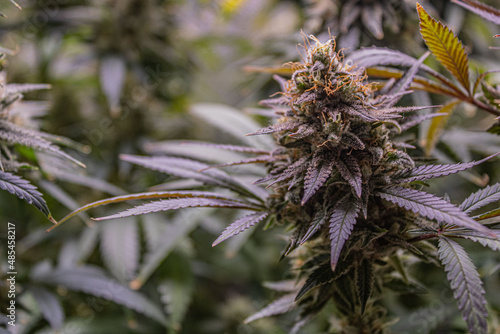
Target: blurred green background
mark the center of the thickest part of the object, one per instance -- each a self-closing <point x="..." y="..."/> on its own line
<point x="125" y="73"/>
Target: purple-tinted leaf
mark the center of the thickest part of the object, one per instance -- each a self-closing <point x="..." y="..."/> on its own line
<point x="291" y="125"/>
<point x="364" y="282"/>
<point x="24" y="190"/>
<point x="417" y="120"/>
<point x="431" y="207"/>
<point x="375" y="56"/>
<point x="240" y="225"/>
<point x="178" y="203"/>
<point x="49" y="305"/>
<point x="480" y="8"/>
<point x="186" y="168"/>
<point x="481" y="198"/>
<point x="317" y="174"/>
<point x="350" y="13"/>
<point x="120" y="247"/>
<point x="465" y="283"/>
<point x="255" y="160"/>
<point x="148" y="195"/>
<point x="371" y="16"/>
<point x="493" y="243"/>
<point x="234" y="148"/>
<point x="317" y="221"/>
<point x="342" y="222"/>
<point x="350" y="171"/>
<point x="93" y="281"/>
<point x="279" y="306"/>
<point x="426" y="172"/>
<point x="292" y="170"/>
<point x="16" y="134"/>
<point x="405" y="82"/>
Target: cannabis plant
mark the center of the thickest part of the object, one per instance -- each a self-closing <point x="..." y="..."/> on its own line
<point x="347" y="187"/>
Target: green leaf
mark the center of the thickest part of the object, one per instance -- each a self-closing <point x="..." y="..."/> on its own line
<point x="437" y="125"/>
<point x="364" y="282"/>
<point x="178" y="203"/>
<point x="24" y="190"/>
<point x="445" y="46"/>
<point x="465" y="283"/>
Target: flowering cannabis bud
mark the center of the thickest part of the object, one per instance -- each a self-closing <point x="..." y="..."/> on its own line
<point x="345" y="184"/>
<point x="336" y="163"/>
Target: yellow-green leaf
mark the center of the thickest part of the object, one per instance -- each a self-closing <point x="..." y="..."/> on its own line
<point x="445" y="46"/>
<point x="437" y="125"/>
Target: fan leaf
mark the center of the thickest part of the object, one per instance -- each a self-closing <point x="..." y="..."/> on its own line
<point x="466" y="284"/>
<point x="178" y="203"/>
<point x="364" y="282"/>
<point x="487" y="12"/>
<point x="341" y="225"/>
<point x="445" y="46"/>
<point x="316" y="223"/>
<point x="279" y="306"/>
<point x="351" y="172"/>
<point x="317" y="173"/>
<point x="24" y="190"/>
<point x="426" y="172"/>
<point x="481" y="198"/>
<point x="240" y="225"/>
<point x="431" y="207"/>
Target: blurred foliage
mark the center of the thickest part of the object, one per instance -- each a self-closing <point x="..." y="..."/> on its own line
<point x="124" y="74"/>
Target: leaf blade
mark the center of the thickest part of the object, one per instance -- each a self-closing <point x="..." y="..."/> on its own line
<point x="342" y="222"/>
<point x="466" y="284"/>
<point x="24" y="190"/>
<point x="431" y="207"/>
<point x="445" y="46"/>
<point x="240" y="225"/>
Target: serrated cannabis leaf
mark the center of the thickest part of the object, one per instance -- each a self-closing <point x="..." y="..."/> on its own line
<point x="364" y="282"/>
<point x="445" y="46"/>
<point x="481" y="198"/>
<point x="465" y="283"/>
<point x="24" y="190"/>
<point x="320" y="276"/>
<point x="480" y="8"/>
<point x="342" y="222"/>
<point x="431" y="207"/>
<point x="279" y="306"/>
<point x="240" y="225"/>
<point x="438" y="124"/>
<point x="426" y="172"/>
<point x="317" y="173"/>
<point x="317" y="221"/>
<point x="179" y="203"/>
